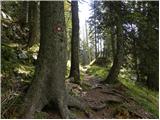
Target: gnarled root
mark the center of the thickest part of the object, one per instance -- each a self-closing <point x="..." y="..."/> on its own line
<point x="79" y="104"/>
<point x="64" y="111"/>
<point x="76" y="102"/>
<point x="35" y="104"/>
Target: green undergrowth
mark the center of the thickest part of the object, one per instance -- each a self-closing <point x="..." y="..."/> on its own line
<point x="144" y="97"/>
<point x="14" y="69"/>
<point x="16" y="75"/>
<point x="97" y="71"/>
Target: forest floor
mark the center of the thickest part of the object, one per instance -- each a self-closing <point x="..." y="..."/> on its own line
<point x="111" y="101"/>
<point x="122" y="100"/>
<point x="105" y="101"/>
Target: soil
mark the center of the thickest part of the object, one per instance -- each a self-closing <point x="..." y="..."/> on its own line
<point x="104" y="101"/>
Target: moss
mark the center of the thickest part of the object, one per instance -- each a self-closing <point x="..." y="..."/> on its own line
<point x="81" y="76"/>
<point x="97" y="71"/>
<point x="146" y="98"/>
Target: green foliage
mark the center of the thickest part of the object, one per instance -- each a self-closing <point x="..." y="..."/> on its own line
<point x="144" y="40"/>
<point x="13" y="8"/>
<point x="11" y="64"/>
<point x="16" y="76"/>
<point x="97" y="71"/>
<point x="146" y="98"/>
<point x="140" y="25"/>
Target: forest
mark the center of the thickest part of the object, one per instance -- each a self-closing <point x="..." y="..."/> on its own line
<point x="80" y="59"/>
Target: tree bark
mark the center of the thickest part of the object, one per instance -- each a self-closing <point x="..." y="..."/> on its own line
<point x="34" y="33"/>
<point x="104" y="48"/>
<point x="22" y="15"/>
<point x="74" y="72"/>
<point x="118" y="59"/>
<point x="95" y="31"/>
<point x="113" y="42"/>
<point x="49" y="81"/>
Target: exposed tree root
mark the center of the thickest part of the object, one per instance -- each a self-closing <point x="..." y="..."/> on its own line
<point x="99" y="107"/>
<point x="33" y="102"/>
<point x="116" y="94"/>
<point x="76" y="102"/>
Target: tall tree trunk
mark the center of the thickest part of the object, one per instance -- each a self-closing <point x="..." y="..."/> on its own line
<point x="113" y="42"/>
<point x="95" y="44"/>
<point x="34" y="27"/>
<point x="88" y="49"/>
<point x="104" y="49"/>
<point x="118" y="59"/>
<point x="101" y="47"/>
<point x="49" y="81"/>
<point x="97" y="47"/>
<point x="24" y="11"/>
<point x="74" y="72"/>
<point x="27" y="12"/>
<point x="23" y="14"/>
<point x="95" y="31"/>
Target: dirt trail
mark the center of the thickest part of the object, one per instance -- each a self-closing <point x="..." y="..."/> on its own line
<point x="110" y="101"/>
<point x="105" y="101"/>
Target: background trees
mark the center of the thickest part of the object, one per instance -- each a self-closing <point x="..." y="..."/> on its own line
<point x="139" y="50"/>
<point x="118" y="57"/>
<point x="118" y="44"/>
<point x="147" y="52"/>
